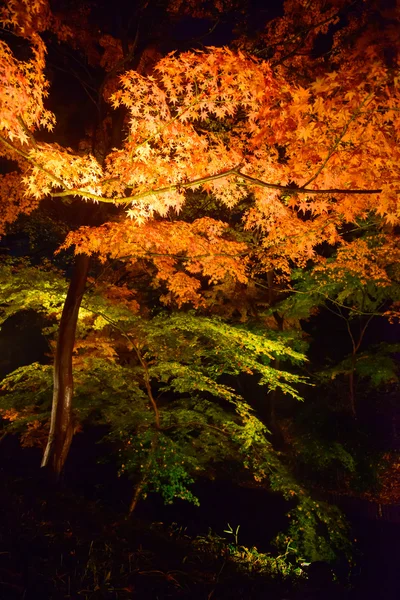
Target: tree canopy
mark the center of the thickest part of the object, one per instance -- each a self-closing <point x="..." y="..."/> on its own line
<point x="213" y="198"/>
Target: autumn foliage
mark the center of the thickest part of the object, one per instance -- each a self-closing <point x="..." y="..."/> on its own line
<point x="313" y="154"/>
<point x="234" y="168"/>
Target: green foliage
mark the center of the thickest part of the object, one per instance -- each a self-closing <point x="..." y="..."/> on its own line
<point x="212" y="348"/>
<point x="45" y="232"/>
<point x="24" y="287"/>
<point x="126" y="363"/>
<point x="249" y="560"/>
<point x="323" y="454"/>
<point x="107" y="392"/>
<point x="25" y="395"/>
<point x="317" y="531"/>
<point x="331" y="450"/>
<point x="186" y="355"/>
<point x="357" y="282"/>
<point x="377" y="365"/>
<point x="25" y="402"/>
<point x="27" y="385"/>
<point x="358" y="277"/>
<point x="161" y="463"/>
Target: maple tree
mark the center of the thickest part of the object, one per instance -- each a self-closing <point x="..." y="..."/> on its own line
<point x="358" y="283"/>
<point x="184" y="421"/>
<point x="301" y="147"/>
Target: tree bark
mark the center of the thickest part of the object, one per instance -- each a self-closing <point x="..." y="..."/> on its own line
<point x="154" y="442"/>
<point x="61" y="422"/>
<point x="143" y="480"/>
<point x="274" y="396"/>
<point x="355" y="348"/>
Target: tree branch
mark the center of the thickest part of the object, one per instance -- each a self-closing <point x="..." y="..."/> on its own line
<point x="33" y="162"/>
<point x="338" y="139"/>
<point x="233" y="172"/>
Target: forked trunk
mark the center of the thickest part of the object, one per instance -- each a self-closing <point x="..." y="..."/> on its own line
<point x="61" y="422"/>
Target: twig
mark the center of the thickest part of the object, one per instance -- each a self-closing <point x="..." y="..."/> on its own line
<point x="338" y="139"/>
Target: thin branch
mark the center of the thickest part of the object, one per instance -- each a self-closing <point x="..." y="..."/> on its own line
<point x="195" y="182"/>
<point x="85" y="86"/>
<point x="234" y="172"/>
<point x="209" y="32"/>
<point x="362" y="332"/>
<point x="338" y="139"/>
<point x="147" y="383"/>
<point x="63" y="51"/>
<point x="33" y="162"/>
<point x="156" y="191"/>
<point x="292" y="39"/>
<point x="140" y="358"/>
<point x="303" y="190"/>
<point x="27" y="130"/>
<point x="183" y="258"/>
<point x="198" y="426"/>
<point x="291" y="290"/>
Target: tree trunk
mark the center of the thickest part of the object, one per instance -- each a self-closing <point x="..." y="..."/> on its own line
<point x="352" y="395"/>
<point x="144" y="479"/>
<point x="154" y="442"/>
<point x="61" y="422"/>
<point x="275" y="396"/>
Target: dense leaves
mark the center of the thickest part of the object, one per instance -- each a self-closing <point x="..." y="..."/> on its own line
<point x="258" y="182"/>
